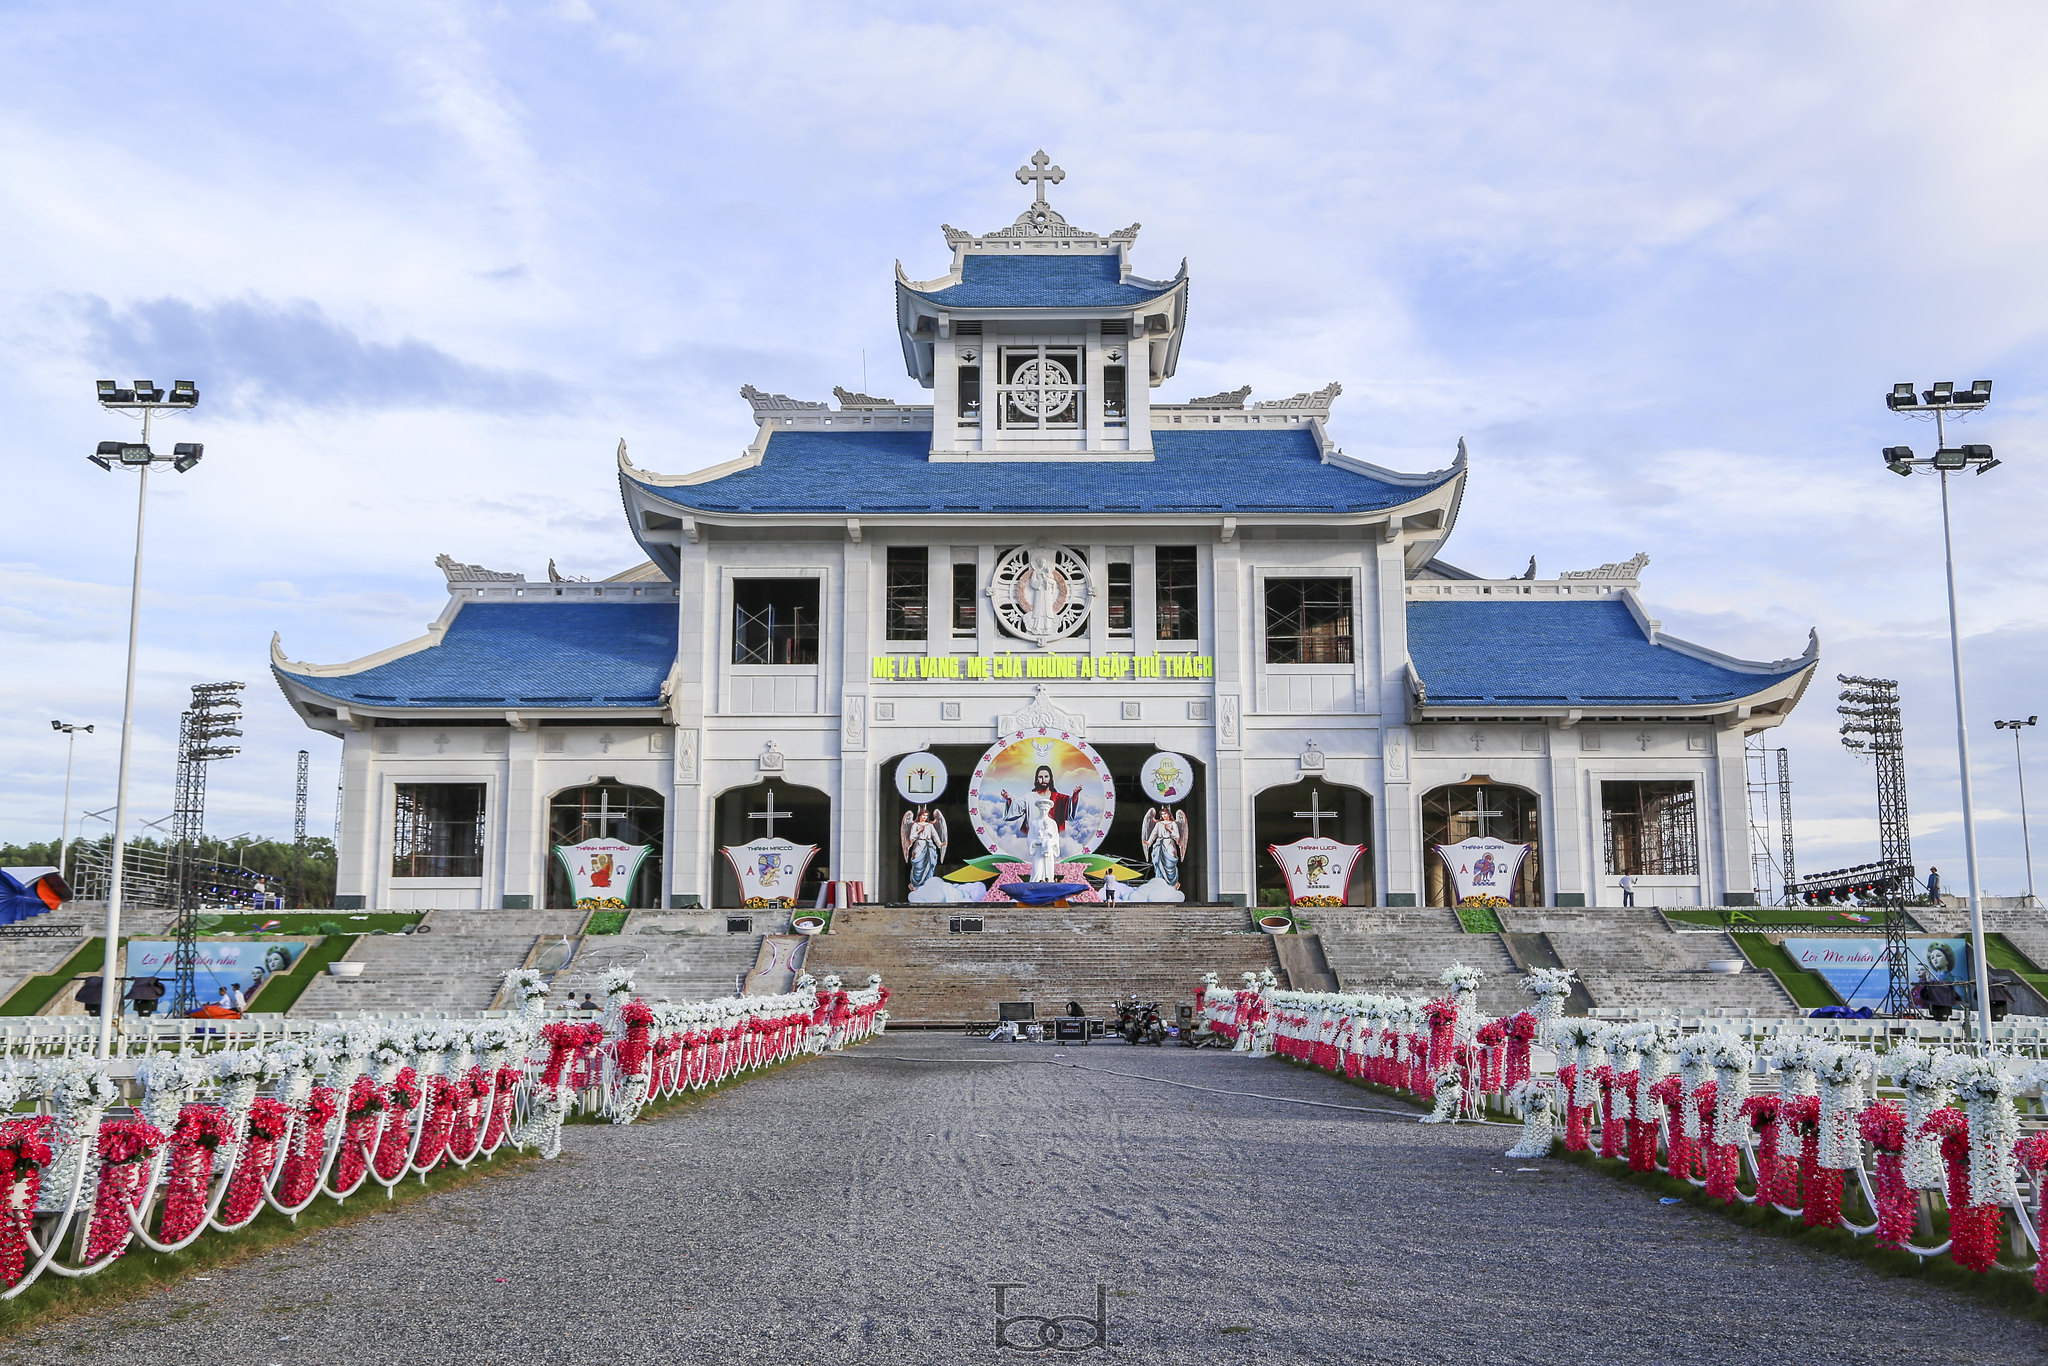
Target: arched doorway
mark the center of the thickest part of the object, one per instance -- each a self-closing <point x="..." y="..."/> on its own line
<point x="1122" y="841"/>
<point x="1276" y="820"/>
<point x="734" y="821"/>
<point x="1480" y="806"/>
<point x="607" y="810"/>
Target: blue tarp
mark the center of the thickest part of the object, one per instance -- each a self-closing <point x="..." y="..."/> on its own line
<point x="30" y="891"/>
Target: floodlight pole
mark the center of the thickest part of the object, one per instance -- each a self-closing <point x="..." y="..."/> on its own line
<point x="110" y="998"/>
<point x="64" y="830"/>
<point x="1979" y="963"/>
<point x="2019" y="764"/>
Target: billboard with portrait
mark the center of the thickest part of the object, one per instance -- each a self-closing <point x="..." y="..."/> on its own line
<point x="1855" y="967"/>
<point x="222" y="963"/>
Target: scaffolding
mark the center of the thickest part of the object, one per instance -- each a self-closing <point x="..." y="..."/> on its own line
<point x="214" y="716"/>
<point x="1771" y="868"/>
<point x="1872" y="726"/>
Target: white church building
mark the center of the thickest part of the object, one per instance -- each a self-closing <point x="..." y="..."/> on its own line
<point x="1037" y="545"/>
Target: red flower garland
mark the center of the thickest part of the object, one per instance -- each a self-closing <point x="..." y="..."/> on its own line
<point x="1640" y="1137"/>
<point x="1679" y="1144"/>
<point x="1442" y="1015"/>
<point x="445" y="1097"/>
<point x="1972" y="1229"/>
<point x="1820" y="1188"/>
<point x="1720" y="1161"/>
<point x="472" y="1088"/>
<point x="1612" y="1137"/>
<point x="1577" y="1118"/>
<point x="365" y="1115"/>
<point x="394" y="1144"/>
<point x="1777" y="1175"/>
<point x="1492" y="1036"/>
<point x="25" y="1152"/>
<point x="501" y="1110"/>
<point x="268" y="1121"/>
<point x="634" y="1049"/>
<point x="197" y="1136"/>
<point x="1883" y="1127"/>
<point x="309" y="1149"/>
<point x="1521" y="1029"/>
<point x="125" y="1147"/>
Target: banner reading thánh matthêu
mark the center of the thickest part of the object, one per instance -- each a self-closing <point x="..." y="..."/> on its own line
<point x="1856" y="969"/>
<point x="1483" y="866"/>
<point x="1317" y="870"/>
<point x="601" y="872"/>
<point x="769" y="870"/>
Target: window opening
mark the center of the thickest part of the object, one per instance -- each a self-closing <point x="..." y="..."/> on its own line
<point x="909" y="592"/>
<point x="438" y="830"/>
<point x="965" y="597"/>
<point x="1040" y="388"/>
<point x="1652" y="829"/>
<point x="775" y="621"/>
<point x="1119" y="604"/>
<point x="970" y="395"/>
<point x="1115" y="400"/>
<point x="1308" y="621"/>
<point x="1177" y="609"/>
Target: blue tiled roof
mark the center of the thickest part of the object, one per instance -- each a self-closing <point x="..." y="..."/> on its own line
<point x="1036" y="280"/>
<point x="1560" y="654"/>
<point x="519" y="655"/>
<point x="881" y="472"/>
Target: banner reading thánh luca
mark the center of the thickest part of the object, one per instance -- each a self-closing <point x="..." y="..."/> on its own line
<point x="232" y="963"/>
<point x="769" y="870"/>
<point x="1856" y="970"/>
<point x="1317" y="870"/>
<point x="601" y="872"/>
<point x="1483" y="866"/>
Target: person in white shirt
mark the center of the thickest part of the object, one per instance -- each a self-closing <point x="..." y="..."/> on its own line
<point x="1628" y="890"/>
<point x="240" y="1003"/>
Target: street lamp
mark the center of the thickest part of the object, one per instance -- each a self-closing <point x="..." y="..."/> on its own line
<point x="1942" y="400"/>
<point x="144" y="398"/>
<point x="70" y="733"/>
<point x="2026" y="840"/>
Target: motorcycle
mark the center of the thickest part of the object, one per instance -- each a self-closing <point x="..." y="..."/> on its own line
<point x="1139" y="1022"/>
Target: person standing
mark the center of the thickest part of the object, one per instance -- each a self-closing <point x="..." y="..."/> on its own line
<point x="1933" y="885"/>
<point x="1628" y="890"/>
<point x="239" y="1003"/>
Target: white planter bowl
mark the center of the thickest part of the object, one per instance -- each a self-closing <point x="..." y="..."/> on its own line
<point x="1275" y="924"/>
<point x="343" y="968"/>
<point x="808" y="924"/>
<point x="1728" y="966"/>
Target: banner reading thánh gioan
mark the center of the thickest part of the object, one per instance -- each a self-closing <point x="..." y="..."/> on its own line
<point x="1483" y="866"/>
<point x="1856" y="970"/>
<point x="769" y="870"/>
<point x="240" y="963"/>
<point x="1317" y="869"/>
<point x="601" y="872"/>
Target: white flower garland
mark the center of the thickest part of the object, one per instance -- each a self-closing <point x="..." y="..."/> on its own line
<point x="1842" y="1074"/>
<point x="1450" y="1096"/>
<point x="1923" y="1075"/>
<point x="1536" y="1101"/>
<point x="1731" y="1059"/>
<point x="1551" y="987"/>
<point x="1986" y="1090"/>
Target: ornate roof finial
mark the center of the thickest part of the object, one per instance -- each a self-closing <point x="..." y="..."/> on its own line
<point x="1043" y="172"/>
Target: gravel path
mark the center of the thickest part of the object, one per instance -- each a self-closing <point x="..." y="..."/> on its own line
<point x="858" y="1208"/>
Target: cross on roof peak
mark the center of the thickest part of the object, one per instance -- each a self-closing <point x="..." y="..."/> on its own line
<point x="1042" y="171"/>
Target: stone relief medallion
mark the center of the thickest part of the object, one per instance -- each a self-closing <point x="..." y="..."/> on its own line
<point x="1040" y="593"/>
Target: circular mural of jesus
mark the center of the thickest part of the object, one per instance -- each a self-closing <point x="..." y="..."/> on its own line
<point x="1000" y="792"/>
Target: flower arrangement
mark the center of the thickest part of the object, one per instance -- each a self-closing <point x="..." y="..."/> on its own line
<point x="269" y="1120"/>
<point x="1535" y="1099"/>
<point x="1777" y="1174"/>
<point x="25" y="1153"/>
<point x="196" y="1139"/>
<point x="1484" y="901"/>
<point x="125" y="1147"/>
<point x="1972" y="1227"/>
<point x="1883" y="1127"/>
<point x="1450" y="1095"/>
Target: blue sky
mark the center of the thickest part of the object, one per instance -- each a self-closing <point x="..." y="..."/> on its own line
<point x="429" y="262"/>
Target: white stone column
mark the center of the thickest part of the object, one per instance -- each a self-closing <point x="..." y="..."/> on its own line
<point x="700" y="635"/>
<point x="524" y="819"/>
<point x="1224" y="633"/>
<point x="853" y="801"/>
<point x="1400" y="814"/>
<point x="356" y="859"/>
<point x="1569" y="838"/>
<point x="1724" y="863"/>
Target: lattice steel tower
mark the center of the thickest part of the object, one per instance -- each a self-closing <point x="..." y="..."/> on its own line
<point x="215" y="715"/>
<point x="1874" y="727"/>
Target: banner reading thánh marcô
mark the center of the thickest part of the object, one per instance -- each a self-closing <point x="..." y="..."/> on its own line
<point x="1483" y="866"/>
<point x="770" y="871"/>
<point x="601" y="872"/>
<point x="1856" y="970"/>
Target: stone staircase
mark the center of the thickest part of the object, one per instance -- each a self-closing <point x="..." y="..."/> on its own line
<point x="1089" y="953"/>
<point x="452" y="973"/>
<point x="1399" y="951"/>
<point x="1632" y="958"/>
<point x="679" y="968"/>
